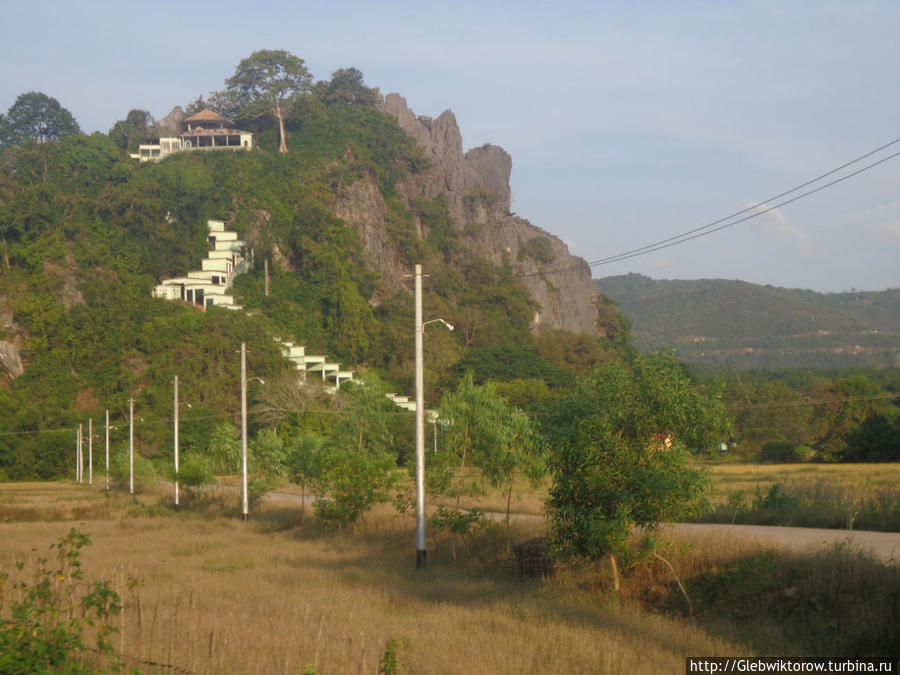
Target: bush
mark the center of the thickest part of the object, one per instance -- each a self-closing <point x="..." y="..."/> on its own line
<point x="43" y="631"/>
<point x="145" y="473"/>
<point x="778" y="452"/>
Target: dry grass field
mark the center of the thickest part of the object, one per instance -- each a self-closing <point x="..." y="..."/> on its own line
<point x="208" y="593"/>
<point x="223" y="596"/>
<point x="839" y="496"/>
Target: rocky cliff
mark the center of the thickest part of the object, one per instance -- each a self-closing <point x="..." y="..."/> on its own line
<point x="476" y="186"/>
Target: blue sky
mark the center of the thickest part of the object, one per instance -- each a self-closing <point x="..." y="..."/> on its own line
<point x="627" y="122"/>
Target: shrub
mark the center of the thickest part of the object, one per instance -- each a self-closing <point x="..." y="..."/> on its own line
<point x="44" y="630"/>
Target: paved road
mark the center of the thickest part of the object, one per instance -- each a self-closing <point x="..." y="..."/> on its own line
<point x="884" y="545"/>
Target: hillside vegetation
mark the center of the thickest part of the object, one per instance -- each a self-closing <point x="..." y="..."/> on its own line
<point x="86" y="232"/>
<point x="735" y="324"/>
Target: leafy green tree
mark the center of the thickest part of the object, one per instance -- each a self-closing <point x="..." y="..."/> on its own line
<point x="304" y="460"/>
<point x="483" y="432"/>
<point x="619" y="457"/>
<point x="843" y="406"/>
<point x="359" y="462"/>
<point x="769" y="411"/>
<point x="264" y="84"/>
<point x="127" y="134"/>
<point x="38" y="116"/>
<point x="877" y="439"/>
<point x="347" y="87"/>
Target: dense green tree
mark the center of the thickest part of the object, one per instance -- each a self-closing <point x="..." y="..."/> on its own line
<point x="876" y="439"/>
<point x="127" y="134"/>
<point x="38" y="116"/>
<point x="264" y="84"/>
<point x="619" y="459"/>
<point x="346" y="86"/>
<point x="358" y="462"/>
<point x="842" y="407"/>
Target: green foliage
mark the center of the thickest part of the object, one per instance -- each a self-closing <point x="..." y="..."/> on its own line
<point x="778" y="451"/>
<point x="144" y="472"/>
<point x="264" y="84"/>
<point x="611" y="465"/>
<point x="734" y="324"/>
<point x="43" y="629"/>
<point x="390" y="661"/>
<point x="346" y="87"/>
<point x="358" y="463"/>
<point x="838" y="601"/>
<point x="127" y="134"/>
<point x="195" y="472"/>
<point x="876" y="439"/>
<point x="538" y="249"/>
<point x="35" y="115"/>
<point x="481" y="431"/>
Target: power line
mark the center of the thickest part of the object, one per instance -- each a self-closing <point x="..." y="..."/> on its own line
<point x="752" y="211"/>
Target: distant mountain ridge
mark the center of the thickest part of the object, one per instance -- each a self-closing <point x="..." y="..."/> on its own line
<point x="740" y="325"/>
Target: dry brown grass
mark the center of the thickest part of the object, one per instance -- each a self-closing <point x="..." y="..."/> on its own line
<point x="841" y="496"/>
<point x="222" y="596"/>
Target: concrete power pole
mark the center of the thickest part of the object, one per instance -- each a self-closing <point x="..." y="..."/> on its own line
<point x="245" y="505"/>
<point x="421" y="547"/>
<point x="131" y="446"/>
<point x="107" y="450"/>
<point x="176" y="441"/>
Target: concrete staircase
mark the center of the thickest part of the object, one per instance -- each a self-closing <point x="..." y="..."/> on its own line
<point x="229" y="256"/>
<point x="318" y="365"/>
<point x="206" y="287"/>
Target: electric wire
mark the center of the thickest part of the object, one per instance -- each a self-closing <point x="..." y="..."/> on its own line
<point x="722" y="223"/>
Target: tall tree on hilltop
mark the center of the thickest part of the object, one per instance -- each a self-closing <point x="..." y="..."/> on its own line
<point x="264" y="84"/>
<point x="38" y="116"/>
<point x="346" y="86"/>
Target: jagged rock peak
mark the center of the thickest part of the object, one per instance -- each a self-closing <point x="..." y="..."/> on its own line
<point x="487" y="167"/>
<point x="476" y="186"/>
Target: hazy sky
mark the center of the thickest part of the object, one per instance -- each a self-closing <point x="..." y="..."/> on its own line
<point x="627" y="122"/>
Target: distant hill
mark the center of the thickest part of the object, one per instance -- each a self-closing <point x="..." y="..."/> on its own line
<point x="739" y="325"/>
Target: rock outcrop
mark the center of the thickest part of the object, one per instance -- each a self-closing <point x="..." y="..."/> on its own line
<point x="476" y="186"/>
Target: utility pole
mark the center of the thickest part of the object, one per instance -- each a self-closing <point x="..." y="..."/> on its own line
<point x="107" y="450"/>
<point x="90" y="450"/>
<point x="176" y="441"/>
<point x="245" y="505"/>
<point x="79" y="462"/>
<point x="421" y="550"/>
<point x="131" y="446"/>
<point x="266" y="265"/>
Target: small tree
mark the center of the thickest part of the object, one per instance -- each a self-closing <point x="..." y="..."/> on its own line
<point x="618" y="456"/>
<point x="482" y="432"/>
<point x="304" y="460"/>
<point x="264" y="83"/>
<point x="358" y="460"/>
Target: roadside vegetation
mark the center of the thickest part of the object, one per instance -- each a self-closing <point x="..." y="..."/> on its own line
<point x="838" y="496"/>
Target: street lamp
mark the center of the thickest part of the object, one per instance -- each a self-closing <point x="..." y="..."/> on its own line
<point x="245" y="500"/>
<point x="421" y="548"/>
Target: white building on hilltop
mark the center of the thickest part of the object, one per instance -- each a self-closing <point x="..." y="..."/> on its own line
<point x="206" y="130"/>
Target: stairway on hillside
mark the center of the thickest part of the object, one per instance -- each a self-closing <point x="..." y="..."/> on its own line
<point x="206" y="287"/>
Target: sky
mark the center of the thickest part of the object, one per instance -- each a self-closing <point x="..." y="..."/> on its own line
<point x="627" y="122"/>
